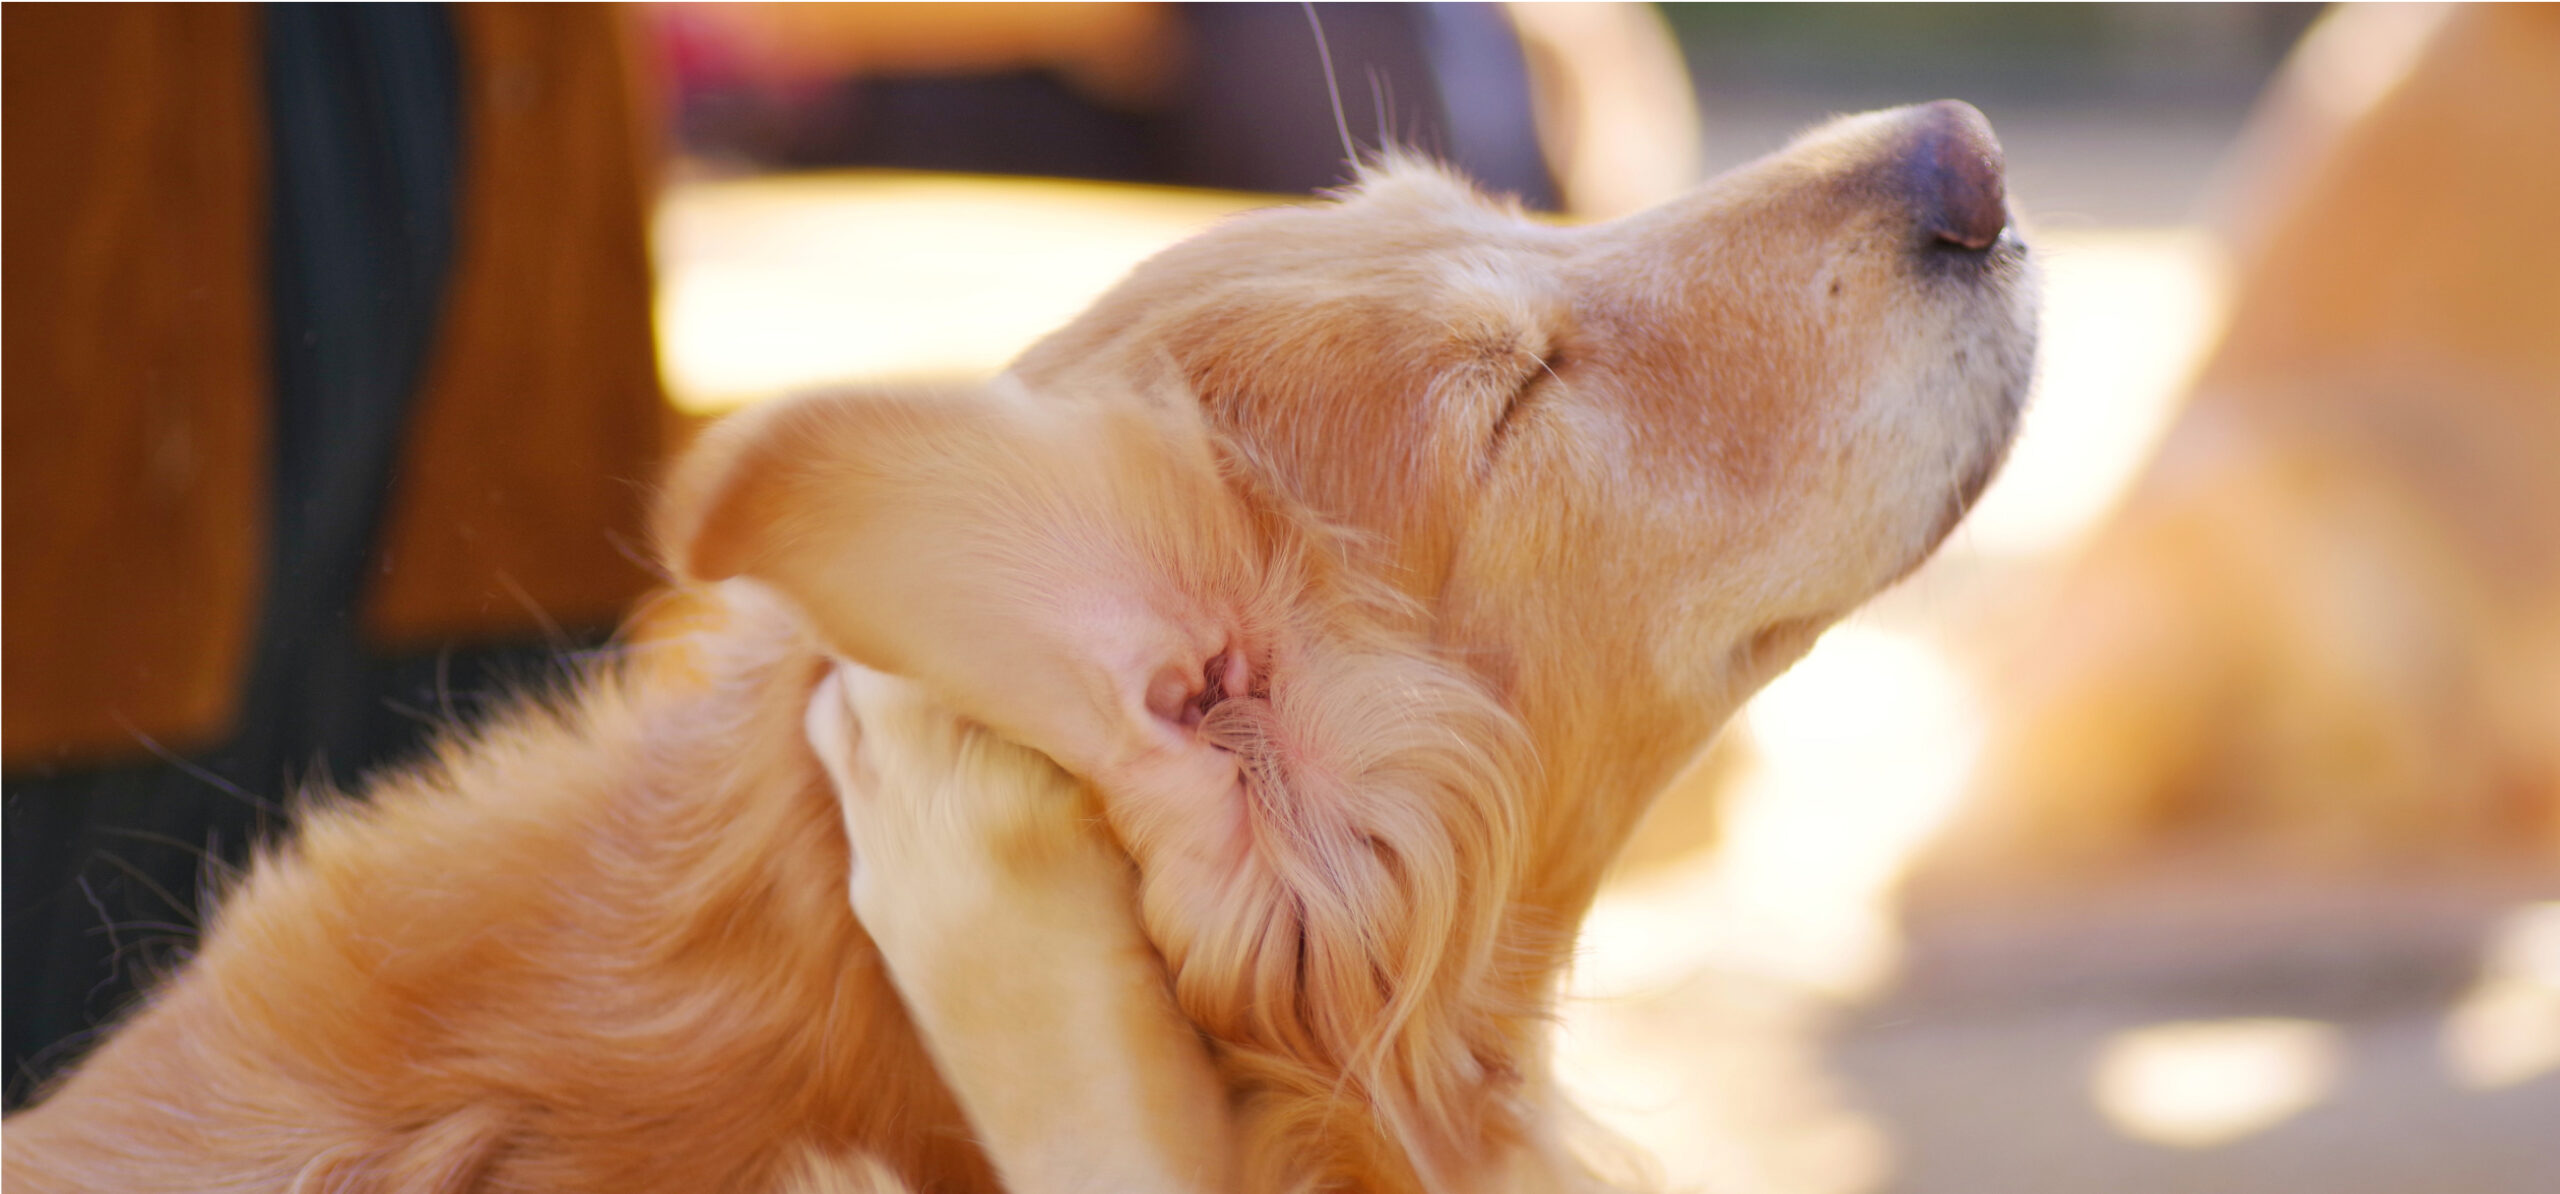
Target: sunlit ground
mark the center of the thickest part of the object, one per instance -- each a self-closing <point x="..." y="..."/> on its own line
<point x="1702" y="1018"/>
<point x="2506" y="1030"/>
<point x="2195" y="1084"/>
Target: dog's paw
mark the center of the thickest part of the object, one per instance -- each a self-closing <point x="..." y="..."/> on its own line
<point x="945" y="817"/>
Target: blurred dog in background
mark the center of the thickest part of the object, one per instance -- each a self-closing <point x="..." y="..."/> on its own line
<point x="2324" y="632"/>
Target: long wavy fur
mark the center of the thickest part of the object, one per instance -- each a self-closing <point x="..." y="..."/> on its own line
<point x="1348" y="970"/>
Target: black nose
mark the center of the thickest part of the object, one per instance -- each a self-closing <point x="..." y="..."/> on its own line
<point x="1952" y="170"/>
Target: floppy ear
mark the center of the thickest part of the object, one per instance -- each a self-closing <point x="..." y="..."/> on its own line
<point x="1068" y="570"/>
<point x="1064" y="570"/>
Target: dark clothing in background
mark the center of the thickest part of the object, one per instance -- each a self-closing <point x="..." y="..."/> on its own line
<point x="318" y="280"/>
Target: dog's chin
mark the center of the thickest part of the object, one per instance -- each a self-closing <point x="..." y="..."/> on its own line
<point x="1972" y="480"/>
<point x="1776" y="647"/>
<point x="1985" y="376"/>
<point x="1968" y="491"/>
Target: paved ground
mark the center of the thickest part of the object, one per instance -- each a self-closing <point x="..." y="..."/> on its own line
<point x="1980" y="1069"/>
<point x="1994" y="1064"/>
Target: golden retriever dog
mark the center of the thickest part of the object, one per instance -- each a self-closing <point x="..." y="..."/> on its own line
<point x="1282" y="650"/>
<point x="2323" y="634"/>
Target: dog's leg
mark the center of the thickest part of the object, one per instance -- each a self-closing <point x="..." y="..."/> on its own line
<point x="1010" y="927"/>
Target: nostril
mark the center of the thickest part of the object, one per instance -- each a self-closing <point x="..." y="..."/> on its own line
<point x="1954" y="170"/>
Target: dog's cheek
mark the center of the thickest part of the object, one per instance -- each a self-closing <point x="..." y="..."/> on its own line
<point x="1180" y="809"/>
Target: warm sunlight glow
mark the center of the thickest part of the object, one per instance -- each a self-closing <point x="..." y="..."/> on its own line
<point x="2128" y="316"/>
<point x="1701" y="992"/>
<point x="1719" y="1084"/>
<point x="2196" y="1084"/>
<point x="2506" y="1029"/>
<point x="1862" y="750"/>
<point x="770" y="285"/>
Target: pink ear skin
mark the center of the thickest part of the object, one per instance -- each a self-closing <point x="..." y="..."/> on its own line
<point x="1070" y="571"/>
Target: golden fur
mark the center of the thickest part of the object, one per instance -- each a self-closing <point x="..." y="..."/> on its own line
<point x="1374" y="562"/>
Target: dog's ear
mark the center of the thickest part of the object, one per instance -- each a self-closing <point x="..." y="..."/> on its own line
<point x="1065" y="570"/>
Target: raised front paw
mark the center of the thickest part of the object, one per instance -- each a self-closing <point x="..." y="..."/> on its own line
<point x="1009" y="923"/>
<point x="949" y="822"/>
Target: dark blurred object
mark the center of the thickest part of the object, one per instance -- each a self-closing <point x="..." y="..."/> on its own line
<point x="331" y="400"/>
<point x="1213" y="95"/>
<point x="2324" y="633"/>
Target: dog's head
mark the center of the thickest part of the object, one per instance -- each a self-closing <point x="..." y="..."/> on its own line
<point x="1379" y="559"/>
<point x="1629" y="470"/>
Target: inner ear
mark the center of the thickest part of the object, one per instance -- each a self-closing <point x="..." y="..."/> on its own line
<point x="1184" y="700"/>
<point x="1071" y="570"/>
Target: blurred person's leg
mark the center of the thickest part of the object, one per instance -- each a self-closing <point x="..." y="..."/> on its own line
<point x="105" y="875"/>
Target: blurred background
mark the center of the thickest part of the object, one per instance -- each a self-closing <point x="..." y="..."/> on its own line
<point x="2191" y="823"/>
